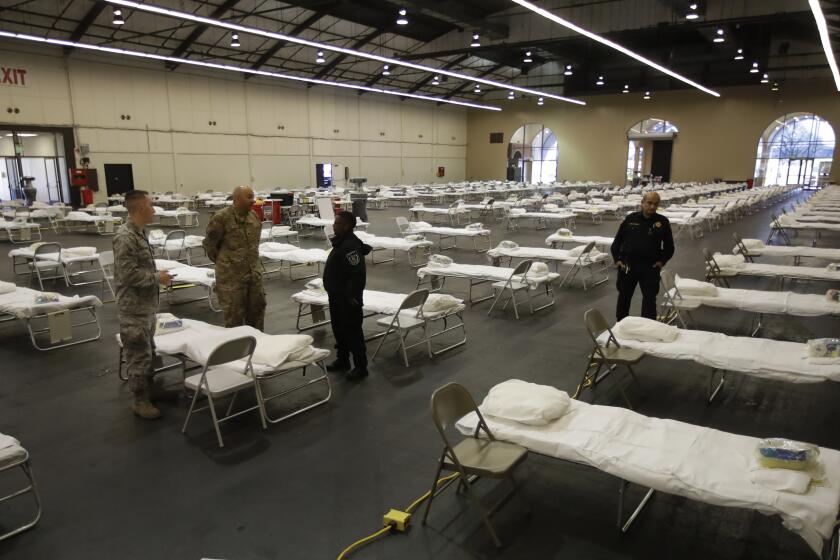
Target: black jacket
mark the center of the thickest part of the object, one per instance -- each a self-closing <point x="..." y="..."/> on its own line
<point x="643" y="239"/>
<point x="344" y="272"/>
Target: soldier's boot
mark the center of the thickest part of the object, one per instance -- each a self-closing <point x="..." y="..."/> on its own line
<point x="144" y="408"/>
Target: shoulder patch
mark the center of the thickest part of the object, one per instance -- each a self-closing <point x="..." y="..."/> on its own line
<point x="353" y="258"/>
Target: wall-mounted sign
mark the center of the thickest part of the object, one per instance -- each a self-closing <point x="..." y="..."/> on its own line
<point x="15" y="77"/>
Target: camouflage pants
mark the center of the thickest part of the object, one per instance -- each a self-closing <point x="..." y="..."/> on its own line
<point x="243" y="302"/>
<point x="137" y="335"/>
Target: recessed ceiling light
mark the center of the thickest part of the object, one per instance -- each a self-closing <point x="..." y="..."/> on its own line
<point x="754" y="69"/>
<point x="234" y="40"/>
<point x="477" y="88"/>
<point x="319" y="59"/>
<point x="739" y="55"/>
<point x="118" y="17"/>
<point x="386" y="70"/>
<point x="511" y="95"/>
<point x="765" y="79"/>
<point x="436" y="80"/>
<point x="692" y="14"/>
<point x="475" y="42"/>
<point x="401" y="19"/>
<point x="186" y="16"/>
<point x="540" y="101"/>
<point x="775" y="86"/>
<point x="719" y="38"/>
<point x="568" y="70"/>
<point x="600" y="81"/>
<point x="528" y="57"/>
<point x="647" y="95"/>
<point x="626" y="89"/>
<point x="611" y="44"/>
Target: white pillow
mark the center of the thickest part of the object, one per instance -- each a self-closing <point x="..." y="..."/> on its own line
<point x="538" y="269"/>
<point x="729" y="261"/>
<point x="645" y="330"/>
<point x="477" y="225"/>
<point x="753" y="243"/>
<point x="689" y="287"/>
<point x="564" y="232"/>
<point x="440" y="302"/>
<point x="508" y="245"/>
<point x="526" y="403"/>
<point x="440" y="260"/>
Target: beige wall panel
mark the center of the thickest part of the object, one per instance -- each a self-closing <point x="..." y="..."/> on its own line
<point x="417" y="170"/>
<point x="222" y="144"/>
<point x="418" y="124"/>
<point x="162" y="172"/>
<point x="197" y="173"/>
<point x="380" y="149"/>
<point x="417" y="150"/>
<point x="160" y="142"/>
<point x="278" y="146"/>
<point x="113" y="140"/>
<point x="451" y="127"/>
<point x="444" y="151"/>
<point x="717" y="139"/>
<point x="330" y="148"/>
<point x="454" y="169"/>
<point x="381" y="170"/>
<point x="379" y="120"/>
<point x="280" y="171"/>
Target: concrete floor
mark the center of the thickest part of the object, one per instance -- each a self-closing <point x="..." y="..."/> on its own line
<point x="114" y="486"/>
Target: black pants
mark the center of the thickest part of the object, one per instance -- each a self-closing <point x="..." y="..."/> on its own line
<point x="346" y="320"/>
<point x="647" y="277"/>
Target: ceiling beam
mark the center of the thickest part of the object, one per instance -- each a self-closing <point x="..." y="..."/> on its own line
<point x="455" y="62"/>
<point x="275" y="48"/>
<point x="85" y="23"/>
<point x="466" y="85"/>
<point x="220" y="10"/>
<point x="454" y="14"/>
<point x="340" y="58"/>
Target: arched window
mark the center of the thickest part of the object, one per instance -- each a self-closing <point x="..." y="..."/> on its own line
<point x="649" y="146"/>
<point x="532" y="154"/>
<point x="796" y="149"/>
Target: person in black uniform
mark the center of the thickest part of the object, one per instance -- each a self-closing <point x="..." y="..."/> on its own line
<point x="344" y="281"/>
<point x="642" y="246"/>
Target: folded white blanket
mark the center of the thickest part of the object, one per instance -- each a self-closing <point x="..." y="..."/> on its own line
<point x="271" y="350"/>
<point x="780" y="480"/>
<point x="8" y="441"/>
<point x="315" y="284"/>
<point x="645" y="330"/>
<point x="79" y="251"/>
<point x="564" y="232"/>
<point x="753" y="243"/>
<point x="439" y="261"/>
<point x="7" y="287"/>
<point x="526" y="403"/>
<point x="690" y="287"/>
<point x="729" y="261"/>
<point x="538" y="270"/>
<point x="273" y="247"/>
<point x="508" y="245"/>
<point x="440" y="302"/>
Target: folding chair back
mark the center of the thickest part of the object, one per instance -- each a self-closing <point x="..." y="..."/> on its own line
<point x="521" y="269"/>
<point x="402" y="225"/>
<point x="173" y="244"/>
<point x="667" y="279"/>
<point x="232" y="350"/>
<point x="417" y="299"/>
<point x="596" y="325"/>
<point x="586" y="254"/>
<point x="450" y="403"/>
<point x="46" y="248"/>
<point x="265" y="227"/>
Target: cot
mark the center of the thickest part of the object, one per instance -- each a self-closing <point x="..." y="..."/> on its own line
<point x="185" y="277"/>
<point x="417" y="250"/>
<point x="179" y="217"/>
<point x="19" y="232"/>
<point x="73" y="263"/>
<point x="477" y="234"/>
<point x="719" y="268"/>
<point x="752" y="248"/>
<point x="291" y="257"/>
<point x="587" y="259"/>
<point x="561" y="238"/>
<point x="82" y="221"/>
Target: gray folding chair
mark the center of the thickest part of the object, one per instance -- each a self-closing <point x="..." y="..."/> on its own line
<point x="609" y="355"/>
<point x="218" y="380"/>
<point x="403" y="226"/>
<point x="13" y="457"/>
<point x="106" y="263"/>
<point x="473" y="457"/>
<point x="518" y="282"/>
<point x="405" y="321"/>
<point x="46" y="261"/>
<point x="265" y="231"/>
<point x="713" y="272"/>
<point x="673" y="305"/>
<point x="174" y="248"/>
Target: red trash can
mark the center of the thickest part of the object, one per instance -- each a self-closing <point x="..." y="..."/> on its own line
<point x="87" y="196"/>
<point x="258" y="210"/>
<point x="276" y="212"/>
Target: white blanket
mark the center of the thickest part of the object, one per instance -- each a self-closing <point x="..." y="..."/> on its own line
<point x="296" y="255"/>
<point x="481" y="272"/>
<point x="604" y="242"/>
<point x="397" y="243"/>
<point x="384" y="303"/>
<point x="759" y="357"/>
<point x="185" y="274"/>
<point x="759" y="301"/>
<point x="21" y="303"/>
<point x="792" y="251"/>
<point x="645" y="330"/>
<point x="321" y="222"/>
<point x="776" y="270"/>
<point x="69" y="255"/>
<point x="561" y="255"/>
<point x="198" y="339"/>
<point x="674" y="457"/>
<point x="446" y="231"/>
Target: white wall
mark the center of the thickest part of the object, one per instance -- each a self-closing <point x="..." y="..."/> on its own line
<point x="266" y="132"/>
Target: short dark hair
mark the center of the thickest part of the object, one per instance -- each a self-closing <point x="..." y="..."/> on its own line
<point x="132" y="198"/>
<point x="348" y="217"/>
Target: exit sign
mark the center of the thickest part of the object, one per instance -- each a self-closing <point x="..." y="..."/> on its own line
<point x="11" y="76"/>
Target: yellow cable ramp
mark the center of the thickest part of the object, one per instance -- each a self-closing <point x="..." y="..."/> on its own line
<point x="388" y="528"/>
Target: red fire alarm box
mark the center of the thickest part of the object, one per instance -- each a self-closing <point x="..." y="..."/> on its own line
<point x="441" y="172"/>
<point x="78" y="176"/>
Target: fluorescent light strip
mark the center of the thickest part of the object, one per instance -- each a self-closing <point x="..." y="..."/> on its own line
<point x="138" y="54"/>
<point x="326" y="46"/>
<point x="595" y="37"/>
<point x="826" y="41"/>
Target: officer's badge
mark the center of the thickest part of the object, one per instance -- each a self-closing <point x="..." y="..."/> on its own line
<point x="657" y="224"/>
<point x="353" y="258"/>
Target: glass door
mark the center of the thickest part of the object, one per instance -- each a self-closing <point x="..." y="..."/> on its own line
<point x="794" y="172"/>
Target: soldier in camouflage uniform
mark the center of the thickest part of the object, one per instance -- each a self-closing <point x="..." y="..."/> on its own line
<point x="232" y="242"/>
<point x="136" y="280"/>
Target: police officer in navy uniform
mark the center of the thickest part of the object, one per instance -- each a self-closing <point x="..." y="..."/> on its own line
<point x="642" y="246"/>
<point x="344" y="281"/>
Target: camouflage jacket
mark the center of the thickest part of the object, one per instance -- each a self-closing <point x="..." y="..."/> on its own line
<point x="232" y="242"/>
<point x="135" y="275"/>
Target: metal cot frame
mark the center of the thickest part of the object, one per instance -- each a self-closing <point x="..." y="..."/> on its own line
<point x="35" y="327"/>
<point x="30" y="488"/>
